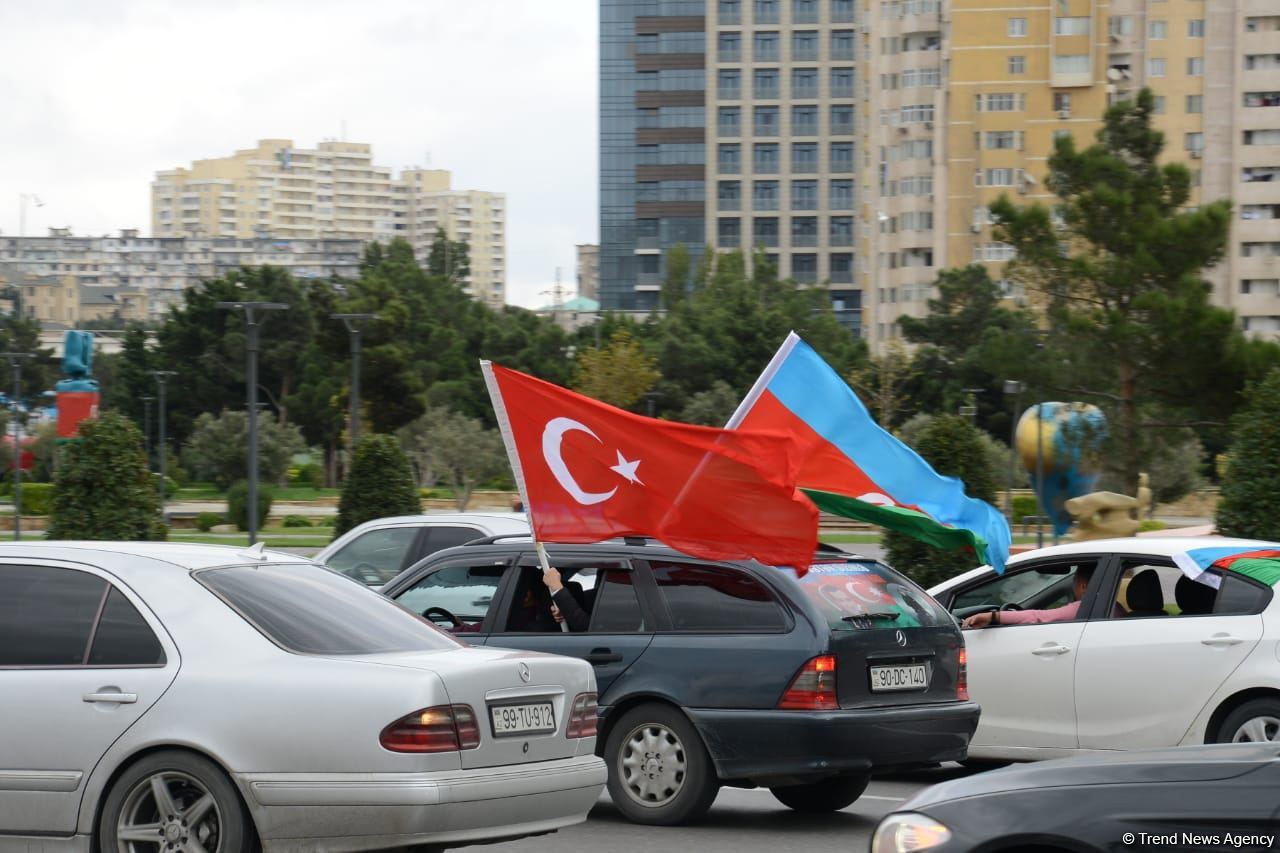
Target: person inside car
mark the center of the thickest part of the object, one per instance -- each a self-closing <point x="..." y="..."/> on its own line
<point x="565" y="607"/>
<point x="1065" y="613"/>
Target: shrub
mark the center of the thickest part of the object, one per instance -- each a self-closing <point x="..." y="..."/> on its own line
<point x="103" y="489"/>
<point x="379" y="484"/>
<point x="1023" y="506"/>
<point x="218" y="448"/>
<point x="1151" y="524"/>
<point x="309" y="474"/>
<point x="238" y="504"/>
<point x="296" y="521"/>
<point x="37" y="498"/>
<point x="206" y="521"/>
<point x="1250" y="503"/>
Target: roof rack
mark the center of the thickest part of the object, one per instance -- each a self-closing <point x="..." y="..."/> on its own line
<point x="489" y="540"/>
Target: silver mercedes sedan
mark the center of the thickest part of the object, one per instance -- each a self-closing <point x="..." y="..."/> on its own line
<point x="203" y="699"/>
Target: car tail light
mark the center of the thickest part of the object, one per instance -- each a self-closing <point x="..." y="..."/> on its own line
<point x="962" y="678"/>
<point x="582" y="717"/>
<point x="443" y="728"/>
<point x="813" y="688"/>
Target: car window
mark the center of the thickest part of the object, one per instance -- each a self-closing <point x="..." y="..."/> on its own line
<point x="617" y="607"/>
<point x="464" y="590"/>
<point x="1038" y="588"/>
<point x="306" y="609"/>
<point x="1148" y="587"/>
<point x="123" y="637"/>
<point x="375" y="557"/>
<point x="47" y="615"/>
<point x="447" y="536"/>
<point x="1238" y="596"/>
<point x="716" y="598"/>
<point x="860" y="594"/>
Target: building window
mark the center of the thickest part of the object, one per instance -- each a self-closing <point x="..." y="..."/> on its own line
<point x="764" y="195"/>
<point x="1017" y="65"/>
<point x="729" y="47"/>
<point x="1193" y="141"/>
<point x="765" y="158"/>
<point x="804" y="231"/>
<point x="804" y="268"/>
<point x="1260" y="286"/>
<point x="766" y="84"/>
<point x="1072" y="64"/>
<point x="764" y="231"/>
<point x="730" y="158"/>
<point x="1262" y="99"/>
<point x="767" y="11"/>
<point x="730" y="84"/>
<point x="1195" y="28"/>
<point x="1000" y="102"/>
<point x="841" y="231"/>
<point x="1195" y="66"/>
<point x="842" y="157"/>
<point x="804" y="196"/>
<point x="730" y="11"/>
<point x="804" y="157"/>
<point x="804" y="121"/>
<point x="804" y="83"/>
<point x="730" y="123"/>
<point x="1262" y="137"/>
<point x="841" y="196"/>
<point x="841" y="11"/>
<point x="842" y="44"/>
<point x="996" y="177"/>
<point x="1195" y="103"/>
<point x="729" y="233"/>
<point x="766" y="47"/>
<point x="1121" y="25"/>
<point x="804" y="45"/>
<point x="804" y="11"/>
<point x="730" y="195"/>
<point x="1157" y="30"/>
<point x="842" y="82"/>
<point x="1157" y="67"/>
<point x="1017" y="28"/>
<point x="765" y="121"/>
<point x="1002" y="139"/>
<point x="1071" y="26"/>
<point x="841" y="119"/>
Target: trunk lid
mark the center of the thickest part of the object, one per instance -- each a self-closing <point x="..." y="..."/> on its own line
<point x="894" y="645"/>
<point x="522" y="686"/>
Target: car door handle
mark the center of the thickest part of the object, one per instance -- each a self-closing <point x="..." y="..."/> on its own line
<point x="1051" y="649"/>
<point x="111" y="696"/>
<point x="1222" y="640"/>
<point x="599" y="656"/>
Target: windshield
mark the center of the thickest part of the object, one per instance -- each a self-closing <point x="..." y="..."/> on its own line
<point x="309" y="609"/>
<point x="857" y="595"/>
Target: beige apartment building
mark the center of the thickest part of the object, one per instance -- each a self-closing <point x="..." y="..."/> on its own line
<point x="964" y="99"/>
<point x="334" y="191"/>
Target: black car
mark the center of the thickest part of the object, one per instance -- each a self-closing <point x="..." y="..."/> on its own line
<point x="1219" y="797"/>
<point x="724" y="673"/>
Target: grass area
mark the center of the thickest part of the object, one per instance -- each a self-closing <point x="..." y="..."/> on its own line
<point x="210" y="492"/>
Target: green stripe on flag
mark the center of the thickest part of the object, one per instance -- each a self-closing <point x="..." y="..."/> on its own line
<point x="1263" y="569"/>
<point x="910" y="522"/>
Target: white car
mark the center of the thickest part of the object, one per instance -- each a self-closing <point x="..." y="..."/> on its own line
<point x="1153" y="659"/>
<point x="376" y="551"/>
<point x="165" y="697"/>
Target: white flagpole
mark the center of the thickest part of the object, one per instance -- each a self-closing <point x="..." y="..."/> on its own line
<point x="770" y="370"/>
<point x="508" y="439"/>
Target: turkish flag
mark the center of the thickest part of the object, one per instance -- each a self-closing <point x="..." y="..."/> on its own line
<point x="589" y="471"/>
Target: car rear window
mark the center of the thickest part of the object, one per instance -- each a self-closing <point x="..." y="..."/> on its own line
<point x="307" y="609"/>
<point x="861" y="595"/>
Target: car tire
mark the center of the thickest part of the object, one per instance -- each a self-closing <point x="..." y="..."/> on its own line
<point x="204" y="804"/>
<point x="659" y="771"/>
<point x="1257" y="720"/>
<point x="829" y="795"/>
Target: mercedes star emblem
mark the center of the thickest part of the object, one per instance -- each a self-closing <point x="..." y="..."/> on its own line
<point x="525" y="675"/>
<point x="897" y="635"/>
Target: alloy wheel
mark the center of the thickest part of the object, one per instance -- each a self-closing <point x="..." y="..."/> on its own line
<point x="1258" y="730"/>
<point x="652" y="765"/>
<point x="169" y="812"/>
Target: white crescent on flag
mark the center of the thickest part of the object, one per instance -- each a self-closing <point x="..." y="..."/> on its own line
<point x="552" y="436"/>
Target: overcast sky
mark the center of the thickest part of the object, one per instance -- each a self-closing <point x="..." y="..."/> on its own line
<point x="97" y="96"/>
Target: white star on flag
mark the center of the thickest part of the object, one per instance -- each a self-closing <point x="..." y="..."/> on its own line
<point x="627" y="468"/>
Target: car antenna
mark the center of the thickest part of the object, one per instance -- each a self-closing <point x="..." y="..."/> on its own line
<point x="256" y="551"/>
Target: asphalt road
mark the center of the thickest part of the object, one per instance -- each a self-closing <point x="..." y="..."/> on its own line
<point x="741" y="821"/>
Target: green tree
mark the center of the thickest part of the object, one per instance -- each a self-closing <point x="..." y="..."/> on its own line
<point x="1250" y="500"/>
<point x="450" y="448"/>
<point x="712" y="407"/>
<point x="103" y="488"/>
<point x="218" y="450"/>
<point x="1118" y="264"/>
<point x="449" y="260"/>
<point x="620" y="374"/>
<point x="954" y="448"/>
<point x="380" y="484"/>
<point x="883" y="381"/>
<point x="675" y="281"/>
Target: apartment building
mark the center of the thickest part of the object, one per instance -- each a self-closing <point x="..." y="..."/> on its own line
<point x="964" y="101"/>
<point x="731" y="124"/>
<point x="153" y="272"/>
<point x="334" y="191"/>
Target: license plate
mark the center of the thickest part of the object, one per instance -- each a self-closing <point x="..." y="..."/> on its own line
<point x="522" y="719"/>
<point x="911" y="677"/>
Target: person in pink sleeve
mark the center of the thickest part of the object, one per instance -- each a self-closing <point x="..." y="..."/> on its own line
<point x="1065" y="613"/>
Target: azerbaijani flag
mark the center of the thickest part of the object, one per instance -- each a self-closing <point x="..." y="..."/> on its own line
<point x="1261" y="564"/>
<point x="852" y="467"/>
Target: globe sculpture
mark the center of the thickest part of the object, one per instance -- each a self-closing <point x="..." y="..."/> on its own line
<point x="1070" y="436"/>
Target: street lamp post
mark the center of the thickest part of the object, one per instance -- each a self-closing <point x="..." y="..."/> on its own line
<point x="146" y="428"/>
<point x="650" y="402"/>
<point x="1013" y="388"/>
<point x="162" y="379"/>
<point x="15" y="362"/>
<point x="253" y="324"/>
<point x="1040" y="474"/>
<point x="355" y="327"/>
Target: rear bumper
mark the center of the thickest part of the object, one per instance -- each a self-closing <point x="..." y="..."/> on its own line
<point x="368" y="811"/>
<point x="800" y="744"/>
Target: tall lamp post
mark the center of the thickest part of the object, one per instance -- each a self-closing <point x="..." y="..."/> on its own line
<point x="253" y="316"/>
<point x="1012" y="388"/>
<point x="15" y="362"/>
<point x="1040" y="473"/>
<point x="146" y="427"/>
<point x="162" y="379"/>
<point x="355" y="324"/>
